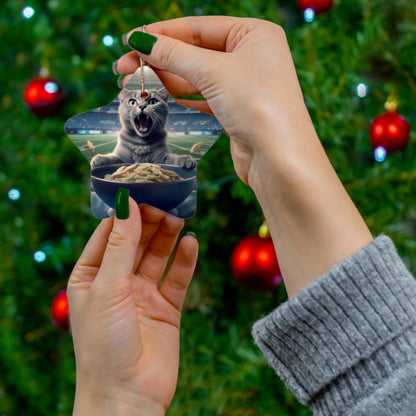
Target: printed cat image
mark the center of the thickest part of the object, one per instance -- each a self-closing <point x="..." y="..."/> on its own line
<point x="143" y="136"/>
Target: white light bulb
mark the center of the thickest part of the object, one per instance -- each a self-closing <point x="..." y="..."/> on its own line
<point x="28" y="12"/>
<point x="40" y="256"/>
<point x="362" y="90"/>
<point x="108" y="40"/>
<point x="51" y="87"/>
<point x="380" y="154"/>
<point x="309" y="15"/>
<point x="14" y="194"/>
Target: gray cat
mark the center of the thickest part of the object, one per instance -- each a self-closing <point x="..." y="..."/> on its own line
<point x="143" y="136"/>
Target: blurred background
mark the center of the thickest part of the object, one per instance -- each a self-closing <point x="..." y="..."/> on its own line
<point x="352" y="57"/>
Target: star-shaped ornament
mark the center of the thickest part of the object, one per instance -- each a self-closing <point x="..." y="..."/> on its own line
<point x="145" y="142"/>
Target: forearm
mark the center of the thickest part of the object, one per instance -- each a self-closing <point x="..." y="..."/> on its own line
<point x="312" y="220"/>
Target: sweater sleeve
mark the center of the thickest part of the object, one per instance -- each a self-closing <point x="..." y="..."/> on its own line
<point x="346" y="345"/>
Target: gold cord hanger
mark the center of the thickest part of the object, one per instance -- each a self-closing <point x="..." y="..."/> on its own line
<point x="144" y="93"/>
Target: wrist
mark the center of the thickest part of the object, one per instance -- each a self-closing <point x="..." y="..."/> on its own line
<point x="284" y="155"/>
<point x="115" y="404"/>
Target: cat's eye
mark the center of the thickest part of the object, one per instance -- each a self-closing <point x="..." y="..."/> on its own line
<point x="132" y="101"/>
<point x="152" y="101"/>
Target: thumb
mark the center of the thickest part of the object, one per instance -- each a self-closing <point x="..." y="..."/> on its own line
<point x="123" y="241"/>
<point x="193" y="63"/>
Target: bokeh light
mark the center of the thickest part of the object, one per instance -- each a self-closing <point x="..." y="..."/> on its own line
<point x="51" y="87"/>
<point x="14" y="194"/>
<point x="28" y="12"/>
<point x="309" y="15"/>
<point x="362" y="90"/>
<point x="380" y="154"/>
<point x="108" y="40"/>
<point x="39" y="256"/>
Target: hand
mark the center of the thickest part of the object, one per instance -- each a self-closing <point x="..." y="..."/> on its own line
<point x="124" y="319"/>
<point x="252" y="83"/>
<point x="244" y="69"/>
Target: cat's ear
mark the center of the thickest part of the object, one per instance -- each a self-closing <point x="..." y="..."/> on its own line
<point x="123" y="95"/>
<point x="164" y="93"/>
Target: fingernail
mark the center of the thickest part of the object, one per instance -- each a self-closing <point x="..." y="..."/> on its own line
<point x="114" y="67"/>
<point x="191" y="233"/>
<point x="122" y="204"/>
<point x="124" y="39"/>
<point x="142" y="42"/>
<point x="120" y="81"/>
<point x="194" y="97"/>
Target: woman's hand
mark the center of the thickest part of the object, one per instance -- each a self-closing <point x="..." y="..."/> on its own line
<point x="244" y="70"/>
<point x="125" y="320"/>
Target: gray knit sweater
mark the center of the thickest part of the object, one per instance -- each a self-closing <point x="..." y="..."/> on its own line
<point x="346" y="345"/>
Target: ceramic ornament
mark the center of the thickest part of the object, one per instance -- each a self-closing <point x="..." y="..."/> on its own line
<point x="144" y="141"/>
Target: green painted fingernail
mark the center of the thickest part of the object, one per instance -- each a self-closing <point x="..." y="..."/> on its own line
<point x="191" y="233"/>
<point x="122" y="204"/>
<point x="142" y="42"/>
<point x="194" y="97"/>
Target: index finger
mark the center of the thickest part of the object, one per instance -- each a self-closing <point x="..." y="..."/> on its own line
<point x="209" y="32"/>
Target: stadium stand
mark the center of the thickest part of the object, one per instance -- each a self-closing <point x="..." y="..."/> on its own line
<point x="105" y="119"/>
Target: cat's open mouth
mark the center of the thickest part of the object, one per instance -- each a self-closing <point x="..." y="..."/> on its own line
<point x="143" y="123"/>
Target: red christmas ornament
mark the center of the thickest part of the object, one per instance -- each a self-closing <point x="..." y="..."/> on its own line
<point x="60" y="311"/>
<point x="254" y="263"/>
<point x="390" y="131"/>
<point x="318" y="6"/>
<point x="44" y="97"/>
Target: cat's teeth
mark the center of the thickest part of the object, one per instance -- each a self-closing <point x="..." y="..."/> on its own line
<point x="143" y="123"/>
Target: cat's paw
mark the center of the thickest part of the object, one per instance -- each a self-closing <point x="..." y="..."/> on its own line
<point x="97" y="161"/>
<point x="187" y="162"/>
<point x="101" y="160"/>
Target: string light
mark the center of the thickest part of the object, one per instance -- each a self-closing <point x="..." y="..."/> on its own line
<point x="39" y="256"/>
<point x="51" y="87"/>
<point x="28" y="12"/>
<point x="309" y="15"/>
<point x="14" y="194"/>
<point x="380" y="154"/>
<point x="108" y="40"/>
<point x="362" y="90"/>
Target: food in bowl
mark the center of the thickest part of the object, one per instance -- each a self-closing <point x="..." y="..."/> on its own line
<point x="143" y="173"/>
<point x="166" y="196"/>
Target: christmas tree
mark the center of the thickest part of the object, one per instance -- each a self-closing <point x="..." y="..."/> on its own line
<point x="350" y="60"/>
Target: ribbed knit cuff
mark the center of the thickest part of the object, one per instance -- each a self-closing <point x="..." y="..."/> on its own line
<point x="348" y="329"/>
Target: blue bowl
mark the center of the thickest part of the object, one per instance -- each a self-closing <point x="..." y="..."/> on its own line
<point x="163" y="195"/>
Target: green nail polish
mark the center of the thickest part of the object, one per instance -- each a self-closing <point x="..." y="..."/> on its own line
<point x="191" y="233"/>
<point x="194" y="97"/>
<point x="122" y="204"/>
<point x="142" y="42"/>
